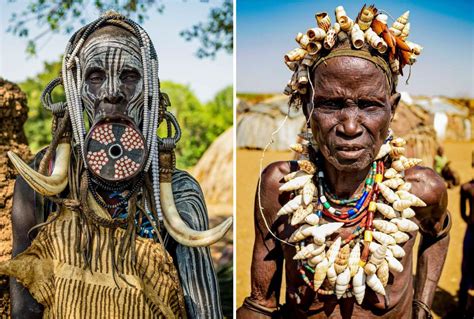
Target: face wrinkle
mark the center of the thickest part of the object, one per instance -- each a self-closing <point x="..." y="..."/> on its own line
<point x="112" y="56"/>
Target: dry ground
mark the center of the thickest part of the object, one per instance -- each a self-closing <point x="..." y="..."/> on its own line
<point x="247" y="174"/>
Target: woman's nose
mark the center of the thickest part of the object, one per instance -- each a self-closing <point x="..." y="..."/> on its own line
<point x="349" y="124"/>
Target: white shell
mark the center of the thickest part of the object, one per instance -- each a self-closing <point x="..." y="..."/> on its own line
<point x="354" y="259"/>
<point x="309" y="251"/>
<point x="385" y="226"/>
<point x="400" y="237"/>
<point x="408" y="213"/>
<point x="291" y="206"/>
<point x="358" y="285"/>
<point x="332" y="275"/>
<point x="390" y="173"/>
<point x="382" y="18"/>
<point x="398" y="252"/>
<point x="386" y="210"/>
<point x="292" y="175"/>
<point x="393" y="264"/>
<point x="308" y="192"/>
<point x="301" y="214"/>
<point x="320" y="273"/>
<point x="301" y="233"/>
<point x="414" y="200"/>
<point x="342" y="282"/>
<point x="321" y="232"/>
<point x="373" y="246"/>
<point x="387" y="193"/>
<point x="296" y="183"/>
<point x="384" y="239"/>
<point x="401" y="204"/>
<point x="333" y="250"/>
<point x="357" y="37"/>
<point x="404" y="224"/>
<point x="312" y="219"/>
<point x="375" y="284"/>
<point x="393" y="183"/>
<point x="317" y="259"/>
<point x="405" y="187"/>
<point x="384" y="149"/>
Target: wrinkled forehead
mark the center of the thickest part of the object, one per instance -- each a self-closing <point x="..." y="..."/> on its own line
<point x="351" y="73"/>
<point x="106" y="50"/>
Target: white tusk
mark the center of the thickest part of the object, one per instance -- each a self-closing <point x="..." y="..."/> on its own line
<point x="181" y="232"/>
<point x="46" y="185"/>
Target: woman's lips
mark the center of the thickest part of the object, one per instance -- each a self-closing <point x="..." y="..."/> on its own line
<point x="350" y="151"/>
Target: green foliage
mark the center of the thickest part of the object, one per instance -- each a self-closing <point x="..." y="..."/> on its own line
<point x="216" y="34"/>
<point x="200" y="123"/>
<point x="42" y="17"/>
<point x="38" y="126"/>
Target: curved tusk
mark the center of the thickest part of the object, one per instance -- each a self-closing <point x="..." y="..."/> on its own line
<point x="46" y="185"/>
<point x="181" y="232"/>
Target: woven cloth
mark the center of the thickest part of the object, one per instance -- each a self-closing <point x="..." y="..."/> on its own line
<point x="56" y="276"/>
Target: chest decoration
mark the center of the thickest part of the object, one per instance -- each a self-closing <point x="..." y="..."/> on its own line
<point x="331" y="264"/>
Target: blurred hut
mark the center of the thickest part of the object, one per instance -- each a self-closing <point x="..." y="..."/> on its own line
<point x="451" y="118"/>
<point x="13" y="114"/>
<point x="255" y="124"/>
<point x="214" y="172"/>
<point x="415" y="125"/>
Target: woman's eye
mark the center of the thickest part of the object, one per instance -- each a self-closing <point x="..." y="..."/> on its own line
<point x="96" y="78"/>
<point x="130" y="77"/>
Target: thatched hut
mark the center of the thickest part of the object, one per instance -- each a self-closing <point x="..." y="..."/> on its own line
<point x="256" y="124"/>
<point x="450" y="118"/>
<point x="415" y="125"/>
<point x="214" y="171"/>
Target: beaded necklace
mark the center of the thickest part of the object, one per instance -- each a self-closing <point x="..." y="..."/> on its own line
<point x="345" y="266"/>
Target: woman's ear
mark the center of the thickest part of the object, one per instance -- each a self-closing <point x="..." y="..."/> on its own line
<point x="394" y="100"/>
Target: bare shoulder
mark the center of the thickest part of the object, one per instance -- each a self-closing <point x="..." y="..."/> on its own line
<point x="270" y="197"/>
<point x="273" y="174"/>
<point x="431" y="188"/>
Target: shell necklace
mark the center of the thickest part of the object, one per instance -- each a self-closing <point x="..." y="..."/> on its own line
<point x="345" y="267"/>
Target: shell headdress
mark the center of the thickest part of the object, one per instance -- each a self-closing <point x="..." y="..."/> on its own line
<point x="387" y="46"/>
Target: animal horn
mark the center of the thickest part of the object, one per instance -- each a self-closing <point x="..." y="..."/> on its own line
<point x="178" y="229"/>
<point x="46" y="185"/>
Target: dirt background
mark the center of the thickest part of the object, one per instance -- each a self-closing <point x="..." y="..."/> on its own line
<point x="247" y="175"/>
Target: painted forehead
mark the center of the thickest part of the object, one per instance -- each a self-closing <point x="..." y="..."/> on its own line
<point x="105" y="49"/>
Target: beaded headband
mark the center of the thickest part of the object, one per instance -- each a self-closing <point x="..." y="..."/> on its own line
<point x="369" y="36"/>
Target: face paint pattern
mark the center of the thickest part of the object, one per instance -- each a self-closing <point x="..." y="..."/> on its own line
<point x="113" y="75"/>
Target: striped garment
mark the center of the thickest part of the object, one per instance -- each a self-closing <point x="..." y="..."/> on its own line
<point x="54" y="273"/>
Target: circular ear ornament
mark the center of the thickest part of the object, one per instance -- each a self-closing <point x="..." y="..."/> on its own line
<point x="115" y="151"/>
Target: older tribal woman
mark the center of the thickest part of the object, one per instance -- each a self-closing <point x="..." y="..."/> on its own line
<point x="110" y="240"/>
<point x="344" y="217"/>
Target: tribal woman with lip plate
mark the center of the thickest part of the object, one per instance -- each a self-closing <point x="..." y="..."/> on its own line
<point x="343" y="218"/>
<point x="109" y="239"/>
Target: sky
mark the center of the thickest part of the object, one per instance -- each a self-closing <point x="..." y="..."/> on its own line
<point x="177" y="58"/>
<point x="266" y="31"/>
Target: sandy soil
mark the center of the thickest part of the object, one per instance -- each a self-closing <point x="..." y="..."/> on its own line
<point x="247" y="174"/>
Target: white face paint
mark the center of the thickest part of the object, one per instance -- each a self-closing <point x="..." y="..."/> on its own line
<point x="112" y="81"/>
